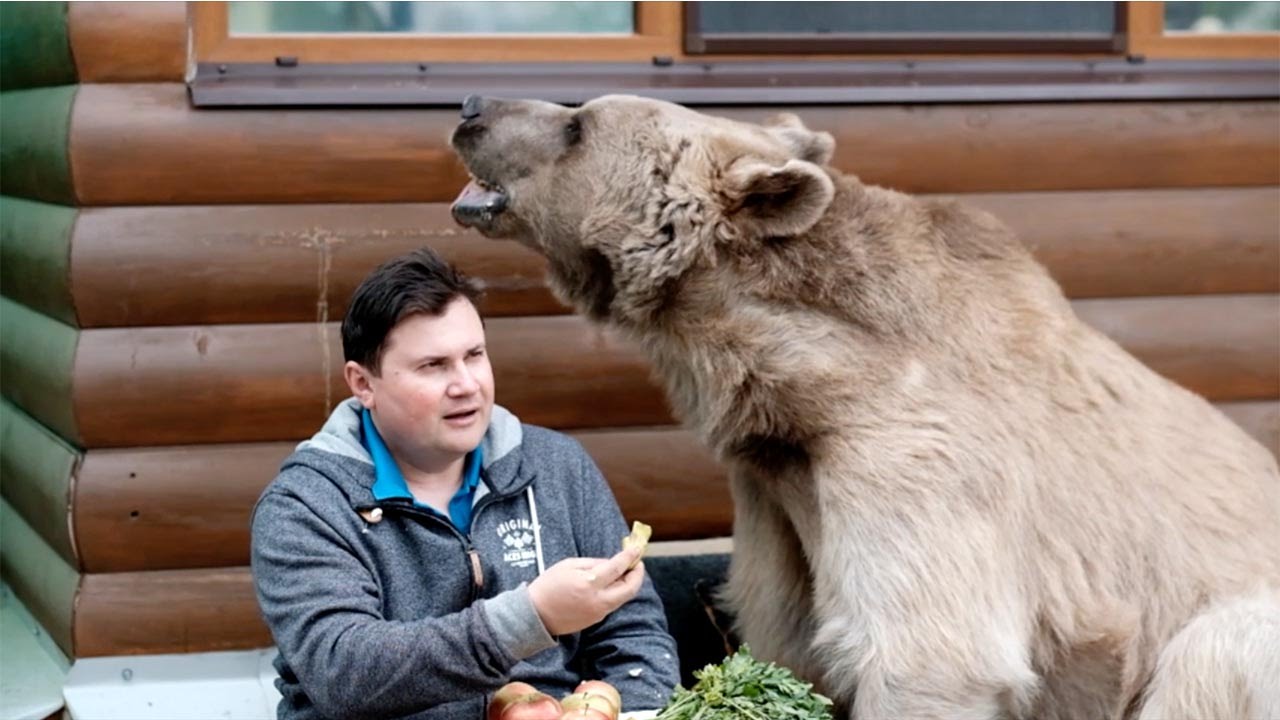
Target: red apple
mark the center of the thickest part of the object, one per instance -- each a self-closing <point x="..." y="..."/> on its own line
<point x="600" y="687"/>
<point x="522" y="701"/>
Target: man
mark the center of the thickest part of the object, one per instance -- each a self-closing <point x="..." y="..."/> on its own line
<point x="399" y="557"/>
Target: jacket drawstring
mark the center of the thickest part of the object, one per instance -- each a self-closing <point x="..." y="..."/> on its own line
<point x="537" y="530"/>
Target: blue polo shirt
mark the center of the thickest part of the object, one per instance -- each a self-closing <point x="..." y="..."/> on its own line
<point x="389" y="482"/>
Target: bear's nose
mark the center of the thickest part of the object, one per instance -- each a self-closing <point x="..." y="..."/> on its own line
<point x="472" y="105"/>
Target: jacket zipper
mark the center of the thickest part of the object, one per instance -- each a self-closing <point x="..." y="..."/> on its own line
<point x="473" y="555"/>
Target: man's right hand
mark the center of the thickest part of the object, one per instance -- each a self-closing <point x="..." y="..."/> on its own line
<point x="577" y="593"/>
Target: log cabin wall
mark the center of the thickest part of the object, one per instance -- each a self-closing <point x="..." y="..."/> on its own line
<point x="173" y="280"/>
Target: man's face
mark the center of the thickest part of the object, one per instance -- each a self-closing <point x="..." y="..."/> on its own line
<point x="434" y="396"/>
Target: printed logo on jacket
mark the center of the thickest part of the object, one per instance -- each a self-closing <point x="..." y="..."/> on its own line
<point x="517" y="539"/>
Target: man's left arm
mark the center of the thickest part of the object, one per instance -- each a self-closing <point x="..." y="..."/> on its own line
<point x="630" y="649"/>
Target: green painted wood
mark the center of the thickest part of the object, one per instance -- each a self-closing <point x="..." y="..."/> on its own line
<point x="36" y="362"/>
<point x="44" y="582"/>
<point x="36" y="125"/>
<point x="31" y="664"/>
<point x="39" y="641"/>
<point x="35" y="47"/>
<point x="36" y="468"/>
<point x="35" y="256"/>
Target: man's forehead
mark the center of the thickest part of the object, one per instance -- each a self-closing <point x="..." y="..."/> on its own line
<point x="422" y="334"/>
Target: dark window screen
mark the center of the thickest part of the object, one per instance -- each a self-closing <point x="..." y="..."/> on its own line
<point x="1021" y="18"/>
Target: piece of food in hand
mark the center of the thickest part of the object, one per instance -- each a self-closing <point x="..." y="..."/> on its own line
<point x="521" y="701"/>
<point x="639" y="538"/>
<point x="600" y="688"/>
<point x="588" y="706"/>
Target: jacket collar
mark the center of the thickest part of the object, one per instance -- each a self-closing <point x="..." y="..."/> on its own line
<point x="337" y="453"/>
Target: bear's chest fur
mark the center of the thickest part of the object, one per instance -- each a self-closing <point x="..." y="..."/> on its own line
<point x="764" y="385"/>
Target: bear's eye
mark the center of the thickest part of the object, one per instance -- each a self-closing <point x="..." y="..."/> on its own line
<point x="573" y="131"/>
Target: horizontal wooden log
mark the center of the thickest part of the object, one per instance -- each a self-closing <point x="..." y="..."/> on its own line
<point x="197" y="265"/>
<point x="35" y="256"/>
<point x="1124" y="243"/>
<point x="128" y="41"/>
<point x="232" y="383"/>
<point x="1225" y="347"/>
<point x="139" y="144"/>
<point x="39" y="576"/>
<point x="333" y="155"/>
<point x="247" y="264"/>
<point x="189" y="506"/>
<point x="133" y="505"/>
<point x="253" y="378"/>
<point x="33" y="158"/>
<point x="33" y="45"/>
<point x="249" y="383"/>
<point x="37" y="467"/>
<point x="1042" y="146"/>
<point x="37" y="355"/>
<point x="167" y="611"/>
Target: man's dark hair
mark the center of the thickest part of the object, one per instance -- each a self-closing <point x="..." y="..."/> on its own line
<point x="420" y="282"/>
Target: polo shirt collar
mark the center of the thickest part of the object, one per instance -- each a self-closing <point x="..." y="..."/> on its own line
<point x="389" y="482"/>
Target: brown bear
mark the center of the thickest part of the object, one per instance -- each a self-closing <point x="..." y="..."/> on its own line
<point x="952" y="498"/>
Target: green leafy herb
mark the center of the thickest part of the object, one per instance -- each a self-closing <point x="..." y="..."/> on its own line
<point x="741" y="688"/>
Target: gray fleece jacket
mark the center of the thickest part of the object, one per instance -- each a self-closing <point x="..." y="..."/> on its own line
<point x="402" y="615"/>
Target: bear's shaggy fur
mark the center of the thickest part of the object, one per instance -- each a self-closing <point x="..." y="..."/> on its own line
<point x="952" y="498"/>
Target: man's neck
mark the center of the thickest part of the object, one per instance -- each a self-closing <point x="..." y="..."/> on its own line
<point x="433" y="485"/>
<point x="439" y="475"/>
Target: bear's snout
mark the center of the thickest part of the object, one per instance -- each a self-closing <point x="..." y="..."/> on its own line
<point x="472" y="107"/>
<point x="472" y="125"/>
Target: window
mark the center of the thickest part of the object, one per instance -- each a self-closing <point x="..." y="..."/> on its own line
<point x="1222" y="17"/>
<point x="611" y="31"/>
<point x="889" y="27"/>
<point x="490" y="18"/>
<point x="1205" y="29"/>
<point x="433" y="32"/>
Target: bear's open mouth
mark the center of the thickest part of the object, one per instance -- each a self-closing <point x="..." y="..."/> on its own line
<point x="479" y="203"/>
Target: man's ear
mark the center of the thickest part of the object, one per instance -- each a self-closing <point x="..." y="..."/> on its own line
<point x="357" y="377"/>
<point x="777" y="200"/>
<point x="805" y="144"/>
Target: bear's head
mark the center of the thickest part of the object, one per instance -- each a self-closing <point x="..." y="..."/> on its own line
<point x="625" y="195"/>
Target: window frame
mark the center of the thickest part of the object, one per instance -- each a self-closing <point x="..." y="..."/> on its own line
<point x="657" y="32"/>
<point x="379" y="70"/>
<point x="663" y="31"/>
<point x="1147" y="37"/>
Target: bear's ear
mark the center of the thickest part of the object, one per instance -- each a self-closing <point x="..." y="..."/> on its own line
<point x="805" y="144"/>
<point x="777" y="200"/>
